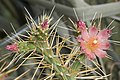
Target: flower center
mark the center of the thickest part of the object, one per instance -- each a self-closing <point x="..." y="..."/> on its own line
<point x="95" y="42"/>
<point x="92" y="44"/>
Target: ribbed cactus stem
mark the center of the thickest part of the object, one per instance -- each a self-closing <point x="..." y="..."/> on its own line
<point x="52" y="59"/>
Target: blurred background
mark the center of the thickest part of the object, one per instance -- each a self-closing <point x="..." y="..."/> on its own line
<point x="12" y="11"/>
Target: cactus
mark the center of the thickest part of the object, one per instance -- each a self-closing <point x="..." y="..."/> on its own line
<point x="49" y="62"/>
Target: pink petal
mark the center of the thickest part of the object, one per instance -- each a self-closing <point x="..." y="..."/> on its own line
<point x="85" y="34"/>
<point x="93" y="31"/>
<point x="12" y="47"/>
<point x="90" y="55"/>
<point x="104" y="34"/>
<point x="82" y="44"/>
<point x="81" y="25"/>
<point x="100" y="53"/>
<point x="104" y="45"/>
<point x="44" y="25"/>
<point x="79" y="38"/>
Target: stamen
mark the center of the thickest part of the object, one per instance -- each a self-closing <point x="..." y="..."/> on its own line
<point x="95" y="41"/>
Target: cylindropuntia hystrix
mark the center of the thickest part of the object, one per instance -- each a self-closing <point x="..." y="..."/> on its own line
<point x="49" y="62"/>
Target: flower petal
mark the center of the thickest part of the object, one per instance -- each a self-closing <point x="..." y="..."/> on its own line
<point x="44" y="25"/>
<point x="100" y="53"/>
<point x="81" y="25"/>
<point x="79" y="38"/>
<point x="104" y="45"/>
<point x="82" y="44"/>
<point x="85" y="35"/>
<point x="104" y="34"/>
<point x="93" y="31"/>
<point x="90" y="55"/>
<point x="12" y="47"/>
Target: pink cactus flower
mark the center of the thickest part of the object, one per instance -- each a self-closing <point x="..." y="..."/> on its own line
<point x="44" y="25"/>
<point x="94" y="42"/>
<point x="80" y="25"/>
<point x="12" y="47"/>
